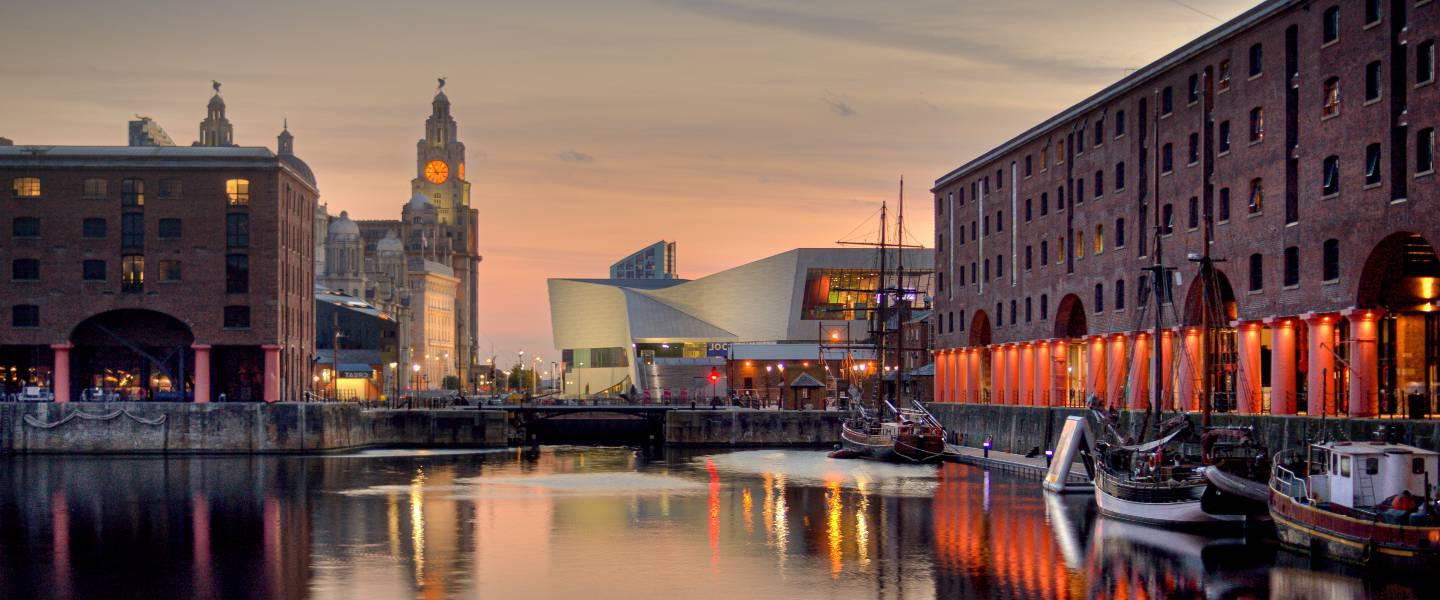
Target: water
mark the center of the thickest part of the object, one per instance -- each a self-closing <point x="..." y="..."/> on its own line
<point x="594" y="524"/>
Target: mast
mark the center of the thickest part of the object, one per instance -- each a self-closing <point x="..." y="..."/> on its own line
<point x="1207" y="191"/>
<point x="880" y="313"/>
<point x="900" y="312"/>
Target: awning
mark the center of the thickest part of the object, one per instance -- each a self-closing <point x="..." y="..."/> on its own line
<point x="355" y="371"/>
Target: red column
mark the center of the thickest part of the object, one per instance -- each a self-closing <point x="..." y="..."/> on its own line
<point x="1167" y="376"/>
<point x="1058" y="375"/>
<point x="202" y="372"/>
<point x="975" y="379"/>
<point x="1190" y="370"/>
<point x="1027" y="374"/>
<point x="1247" y="357"/>
<point x="1139" y="384"/>
<point x="1320" y="378"/>
<point x="1012" y="370"/>
<point x="61" y="374"/>
<point x="272" y="372"/>
<point x="1364" y="360"/>
<point x="997" y="374"/>
<point x="1044" y="368"/>
<point x="1115" y="372"/>
<point x="1095" y="371"/>
<point x="1282" y="366"/>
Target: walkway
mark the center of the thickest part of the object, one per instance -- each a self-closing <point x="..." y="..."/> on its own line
<point x="1018" y="464"/>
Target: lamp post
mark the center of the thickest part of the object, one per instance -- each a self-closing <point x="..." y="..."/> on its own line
<point x="414" y="384"/>
<point x="395" y="375"/>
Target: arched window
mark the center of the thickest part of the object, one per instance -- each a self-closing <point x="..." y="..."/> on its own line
<point x="1257" y="60"/>
<point x="1119" y="294"/>
<point x="1330" y="102"/>
<point x="1330" y="260"/>
<point x="1120" y="232"/>
<point x="1099" y="297"/>
<point x="1099" y="239"/>
<point x="1257" y="124"/>
<point x="1257" y="272"/>
<point x="1292" y="266"/>
<point x="1330" y="25"/>
<point x="1257" y="195"/>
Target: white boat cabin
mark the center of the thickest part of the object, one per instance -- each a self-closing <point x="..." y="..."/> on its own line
<point x="1364" y="474"/>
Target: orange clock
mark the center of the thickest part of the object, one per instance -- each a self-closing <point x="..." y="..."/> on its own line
<point x="462" y="171"/>
<point x="436" y="171"/>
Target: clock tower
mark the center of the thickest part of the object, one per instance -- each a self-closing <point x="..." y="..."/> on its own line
<point x="440" y="164"/>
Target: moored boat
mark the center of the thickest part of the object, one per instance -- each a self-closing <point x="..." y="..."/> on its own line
<point x="913" y="437"/>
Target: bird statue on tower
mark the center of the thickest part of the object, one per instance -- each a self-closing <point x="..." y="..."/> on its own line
<point x="216" y="85"/>
<point x="442" y="84"/>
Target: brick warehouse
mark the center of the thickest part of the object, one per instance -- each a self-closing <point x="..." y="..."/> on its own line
<point x="133" y="268"/>
<point x="1297" y="141"/>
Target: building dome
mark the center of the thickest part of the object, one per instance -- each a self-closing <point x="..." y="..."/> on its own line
<point x="418" y="202"/>
<point x="216" y="102"/>
<point x="300" y="168"/>
<point x="390" y="243"/>
<point x="441" y="98"/>
<point x="344" y="226"/>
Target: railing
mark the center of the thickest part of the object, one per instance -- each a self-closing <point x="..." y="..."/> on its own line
<point x="1290" y="484"/>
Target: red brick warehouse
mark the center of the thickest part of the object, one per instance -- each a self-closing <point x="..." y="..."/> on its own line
<point x="1297" y="141"/>
<point x="153" y="271"/>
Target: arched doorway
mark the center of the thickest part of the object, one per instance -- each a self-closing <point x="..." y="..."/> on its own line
<point x="1070" y="326"/>
<point x="980" y="338"/>
<point x="1402" y="277"/>
<point x="132" y="354"/>
<point x="1210" y="307"/>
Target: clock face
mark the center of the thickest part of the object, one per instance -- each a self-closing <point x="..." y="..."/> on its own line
<point x="462" y="171"/>
<point x="436" y="171"/>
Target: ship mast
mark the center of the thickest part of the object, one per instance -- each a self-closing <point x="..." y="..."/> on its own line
<point x="900" y="313"/>
<point x="881" y="313"/>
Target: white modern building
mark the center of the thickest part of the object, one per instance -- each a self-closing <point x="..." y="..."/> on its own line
<point x="658" y="334"/>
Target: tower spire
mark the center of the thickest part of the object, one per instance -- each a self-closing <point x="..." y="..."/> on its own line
<point x="215" y="130"/>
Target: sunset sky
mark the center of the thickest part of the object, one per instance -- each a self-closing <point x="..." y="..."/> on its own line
<point x="737" y="128"/>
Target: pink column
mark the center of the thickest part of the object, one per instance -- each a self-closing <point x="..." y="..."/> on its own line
<point x="958" y="369"/>
<point x="1058" y="375"/>
<point x="1191" y="363"/>
<point x="1027" y="374"/>
<point x="1012" y="371"/>
<point x="1115" y="372"/>
<point x="937" y="383"/>
<point x="1320" y="377"/>
<point x="1364" y="360"/>
<point x="997" y="374"/>
<point x="202" y="372"/>
<point x="975" y="356"/>
<point x="1282" y="366"/>
<point x="61" y="374"/>
<point x="272" y="372"/>
<point x="1139" y="384"/>
<point x="1247" y="357"/>
<point x="1043" y="373"/>
<point x="1095" y="371"/>
<point x="1167" y="376"/>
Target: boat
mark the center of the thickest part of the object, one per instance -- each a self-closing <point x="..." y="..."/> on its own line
<point x="914" y="436"/>
<point x="1161" y="482"/>
<point x="1364" y="503"/>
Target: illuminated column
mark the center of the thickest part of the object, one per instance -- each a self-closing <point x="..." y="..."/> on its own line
<point x="202" y="373"/>
<point x="1364" y="366"/>
<point x="61" y="372"/>
<point x="1282" y="366"/>
<point x="1115" y="375"/>
<point x="1095" y="371"/>
<point x="1058" y="375"/>
<point x="1190" y="370"/>
<point x="1027" y="374"/>
<point x="1139" y="384"/>
<point x="1043" y="373"/>
<point x="1320" y="376"/>
<point x="956" y="371"/>
<point x="975" y="357"/>
<point x="938" y="385"/>
<point x="272" y="372"/>
<point x="1012" y="370"/>
<point x="1167" y="375"/>
<point x="1247" y="357"/>
<point x="997" y="374"/>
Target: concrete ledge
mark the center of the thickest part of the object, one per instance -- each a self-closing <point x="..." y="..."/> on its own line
<point x="753" y="428"/>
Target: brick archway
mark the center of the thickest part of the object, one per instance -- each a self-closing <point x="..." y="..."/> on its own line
<point x="132" y="354"/>
<point x="980" y="333"/>
<point x="1070" y="318"/>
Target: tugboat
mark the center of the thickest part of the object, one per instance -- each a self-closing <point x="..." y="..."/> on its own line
<point x="1365" y="503"/>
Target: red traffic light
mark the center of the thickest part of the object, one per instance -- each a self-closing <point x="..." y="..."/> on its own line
<point x="714" y="377"/>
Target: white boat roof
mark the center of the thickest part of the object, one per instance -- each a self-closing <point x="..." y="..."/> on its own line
<point x="1356" y="448"/>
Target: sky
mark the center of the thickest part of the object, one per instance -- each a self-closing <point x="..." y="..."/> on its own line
<point x="736" y="128"/>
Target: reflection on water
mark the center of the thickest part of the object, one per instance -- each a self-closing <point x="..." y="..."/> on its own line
<point x="596" y="523"/>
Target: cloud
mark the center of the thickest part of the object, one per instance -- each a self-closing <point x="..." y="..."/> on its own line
<point x="839" y="105"/>
<point x="575" y="157"/>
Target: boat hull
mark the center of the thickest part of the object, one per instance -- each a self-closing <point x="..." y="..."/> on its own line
<point x="1167" y="506"/>
<point x="901" y="450"/>
<point x="1327" y="535"/>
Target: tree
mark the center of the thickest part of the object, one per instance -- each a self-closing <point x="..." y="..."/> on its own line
<point x="521" y="378"/>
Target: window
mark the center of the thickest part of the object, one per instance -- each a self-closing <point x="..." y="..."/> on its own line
<point x="1425" y="62"/>
<point x="1224" y="205"/>
<point x="1167" y="219"/>
<point x="1372" y="81"/>
<point x="960" y="281"/>
<point x="1142" y="291"/>
<point x="237" y="230"/>
<point x="1028" y="165"/>
<point x="1079" y="190"/>
<point x="1120" y="232"/>
<point x="132" y="230"/>
<point x="1331" y="101"/>
<point x="1292" y="267"/>
<point x="92" y="227"/>
<point x="1044" y="252"/>
<point x="1193" y="94"/>
<point x="170" y="189"/>
<point x="1344" y="466"/>
<point x="1027" y="309"/>
<point x="1167" y="101"/>
<point x="962" y="320"/>
<point x="1060" y="250"/>
<point x="999" y="313"/>
<point x="27" y="187"/>
<point x="1028" y="206"/>
<point x="1100" y="131"/>
<point x="238" y="190"/>
<point x="1257" y="272"/>
<point x="987" y="269"/>
<point x="999" y="179"/>
<point x="1099" y="184"/>
<point x="1119" y="123"/>
<point x="999" y="221"/>
<point x="1417" y="466"/>
<point x="1079" y="244"/>
<point x="1045" y="157"/>
<point x="1080" y="140"/>
<point x="237" y="317"/>
<point x="1257" y="196"/>
<point x="237" y="274"/>
<point x="1425" y="151"/>
<point x="1223" y="140"/>
<point x="1372" y="12"/>
<point x="1372" y="164"/>
<point x="1060" y="198"/>
<point x="1119" y="176"/>
<point x="1099" y="240"/>
<point x="1044" y="204"/>
<point x="1224" y="83"/>
<point x="1194" y="156"/>
<point x="1257" y="60"/>
<point x="25" y="315"/>
<point x="132" y="192"/>
<point x="1167" y="158"/>
<point x="999" y="266"/>
<point x="1330" y="25"/>
<point x="1012" y="312"/>
<point x="26" y="227"/>
<point x="1059" y="151"/>
<point x="169" y="270"/>
<point x="1119" y="294"/>
<point x="1330" y="185"/>
<point x="986" y="222"/>
<point x="1257" y="124"/>
<point x="1099" y="297"/>
<point x="1028" y="264"/>
<point x="973" y="270"/>
<point x="94" y="270"/>
<point x="25" y="269"/>
<point x="1044" y="306"/>
<point x="1193" y="219"/>
<point x="94" y="189"/>
<point x="168" y="229"/>
<point x="1330" y="260"/>
<point x="132" y="273"/>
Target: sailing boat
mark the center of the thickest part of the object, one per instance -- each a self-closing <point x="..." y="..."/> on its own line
<point x="914" y="435"/>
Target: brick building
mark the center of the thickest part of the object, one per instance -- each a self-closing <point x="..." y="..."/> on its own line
<point x="1296" y="142"/>
<point x="132" y="269"/>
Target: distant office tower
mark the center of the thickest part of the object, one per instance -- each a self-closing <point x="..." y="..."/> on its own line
<point x="144" y="131"/>
<point x="656" y="261"/>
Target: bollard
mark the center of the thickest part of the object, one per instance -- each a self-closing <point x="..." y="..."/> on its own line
<point x="1049" y="454"/>
<point x="986" y="446"/>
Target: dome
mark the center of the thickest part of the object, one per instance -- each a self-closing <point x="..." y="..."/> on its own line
<point x="390" y="243"/>
<point x="344" y="226"/>
<point x="300" y="168"/>
<point x="216" y="101"/>
<point x="441" y="98"/>
<point x="418" y="202"/>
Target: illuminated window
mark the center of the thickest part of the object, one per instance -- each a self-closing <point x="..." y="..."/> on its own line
<point x="132" y="192"/>
<point x="1079" y="244"/>
<point x="1060" y="250"/>
<point x="27" y="187"/>
<point x="1257" y="124"/>
<point x="1099" y="240"/>
<point x="95" y="189"/>
<point x="238" y="190"/>
<point x="1331" y="106"/>
<point x="839" y="294"/>
<point x="1257" y="196"/>
<point x="132" y="273"/>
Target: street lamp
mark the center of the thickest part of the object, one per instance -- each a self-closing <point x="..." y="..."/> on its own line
<point x="415" y="367"/>
<point x="395" y="375"/>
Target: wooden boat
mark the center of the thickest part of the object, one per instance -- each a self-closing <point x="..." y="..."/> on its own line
<point x="1366" y="503"/>
<point x="1161" y="482"/>
<point x="913" y="437"/>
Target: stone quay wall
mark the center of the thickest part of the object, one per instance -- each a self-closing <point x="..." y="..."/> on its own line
<point x="753" y="428"/>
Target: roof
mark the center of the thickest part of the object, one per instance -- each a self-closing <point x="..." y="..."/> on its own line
<point x="806" y="381"/>
<point x="1374" y="448"/>
<point x="793" y="352"/>
<point x="349" y="302"/>
<point x="1127" y="84"/>
<point x="160" y="157"/>
<point x="362" y="358"/>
